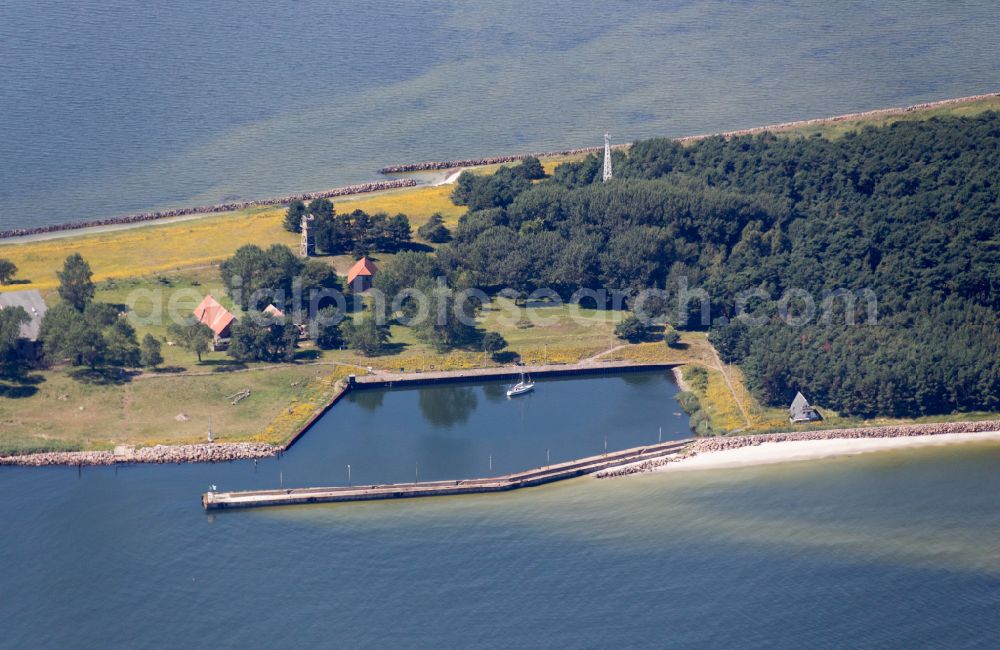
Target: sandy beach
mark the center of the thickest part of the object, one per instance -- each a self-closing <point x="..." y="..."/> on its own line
<point x="800" y="450"/>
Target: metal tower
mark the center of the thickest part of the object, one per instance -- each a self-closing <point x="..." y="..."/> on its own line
<point x="607" y="158"/>
<point x="308" y="246"/>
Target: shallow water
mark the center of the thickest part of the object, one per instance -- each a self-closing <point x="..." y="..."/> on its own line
<point x="897" y="549"/>
<point x="113" y="107"/>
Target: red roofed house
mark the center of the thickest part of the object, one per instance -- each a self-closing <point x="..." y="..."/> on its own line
<point x="218" y="319"/>
<point x="359" y="278"/>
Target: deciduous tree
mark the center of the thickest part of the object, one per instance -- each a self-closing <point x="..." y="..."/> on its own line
<point x="151" y="351"/>
<point x="7" y="271"/>
<point x="434" y="230"/>
<point x="366" y="334"/>
<point x="493" y="343"/>
<point x="11" y="320"/>
<point x="192" y="335"/>
<point x="294" y="215"/>
<point x="76" y="285"/>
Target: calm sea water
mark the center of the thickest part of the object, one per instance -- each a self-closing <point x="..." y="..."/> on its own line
<point x="471" y="430"/>
<point x="899" y="549"/>
<point x="115" y="106"/>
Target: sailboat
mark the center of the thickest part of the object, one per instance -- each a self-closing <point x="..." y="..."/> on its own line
<point x="521" y="387"/>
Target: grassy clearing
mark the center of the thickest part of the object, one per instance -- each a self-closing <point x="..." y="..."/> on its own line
<point x="417" y="203"/>
<point x="67" y="413"/>
<point x="149" y="249"/>
<point x="560" y="334"/>
<point x="151" y="300"/>
<point x="549" y="164"/>
<point x="562" y="326"/>
<point x="170" y="247"/>
<point x="694" y="348"/>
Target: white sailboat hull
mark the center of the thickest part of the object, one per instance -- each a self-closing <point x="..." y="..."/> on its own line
<point x="520" y="389"/>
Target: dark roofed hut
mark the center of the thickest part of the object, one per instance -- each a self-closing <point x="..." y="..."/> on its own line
<point x="28" y="346"/>
<point x="801" y="410"/>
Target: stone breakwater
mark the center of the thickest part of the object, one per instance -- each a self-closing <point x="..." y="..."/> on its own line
<point x="158" y="454"/>
<point x="847" y="117"/>
<point x="638" y="468"/>
<point x="707" y="445"/>
<point x="722" y="443"/>
<point x="140" y="217"/>
<point x="432" y="165"/>
<point x="783" y="126"/>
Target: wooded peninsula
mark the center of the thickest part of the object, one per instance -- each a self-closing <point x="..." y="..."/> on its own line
<point x="857" y="265"/>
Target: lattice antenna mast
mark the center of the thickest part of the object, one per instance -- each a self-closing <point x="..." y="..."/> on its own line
<point x="307" y="248"/>
<point x="607" y="158"/>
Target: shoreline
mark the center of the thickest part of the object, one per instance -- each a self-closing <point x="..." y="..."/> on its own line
<point x="22" y="235"/>
<point x="155" y="455"/>
<point x="434" y="165"/>
<point x="804" y="450"/>
<point x="765" y="449"/>
<point x="679" y="379"/>
<point x="141" y="218"/>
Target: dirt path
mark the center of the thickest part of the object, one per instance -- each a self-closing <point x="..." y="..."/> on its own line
<point x="725" y="375"/>
<point x="597" y="356"/>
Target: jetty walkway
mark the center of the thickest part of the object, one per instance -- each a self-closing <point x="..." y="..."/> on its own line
<point x="539" y="476"/>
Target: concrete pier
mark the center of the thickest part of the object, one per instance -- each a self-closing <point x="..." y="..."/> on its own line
<point x="539" y="476"/>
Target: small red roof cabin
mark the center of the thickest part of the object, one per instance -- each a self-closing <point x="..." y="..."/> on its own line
<point x="359" y="278"/>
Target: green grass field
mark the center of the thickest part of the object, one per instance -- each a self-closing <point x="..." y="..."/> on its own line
<point x="69" y="413"/>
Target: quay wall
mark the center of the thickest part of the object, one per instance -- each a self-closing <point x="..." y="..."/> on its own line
<point x="320" y="412"/>
<point x="388" y="380"/>
<point x="140" y="217"/>
<point x="783" y="126"/>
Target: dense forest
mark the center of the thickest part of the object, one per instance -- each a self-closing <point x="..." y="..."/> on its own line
<point x="906" y="215"/>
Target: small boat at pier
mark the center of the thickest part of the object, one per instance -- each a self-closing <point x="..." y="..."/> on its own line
<point x="521" y="387"/>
